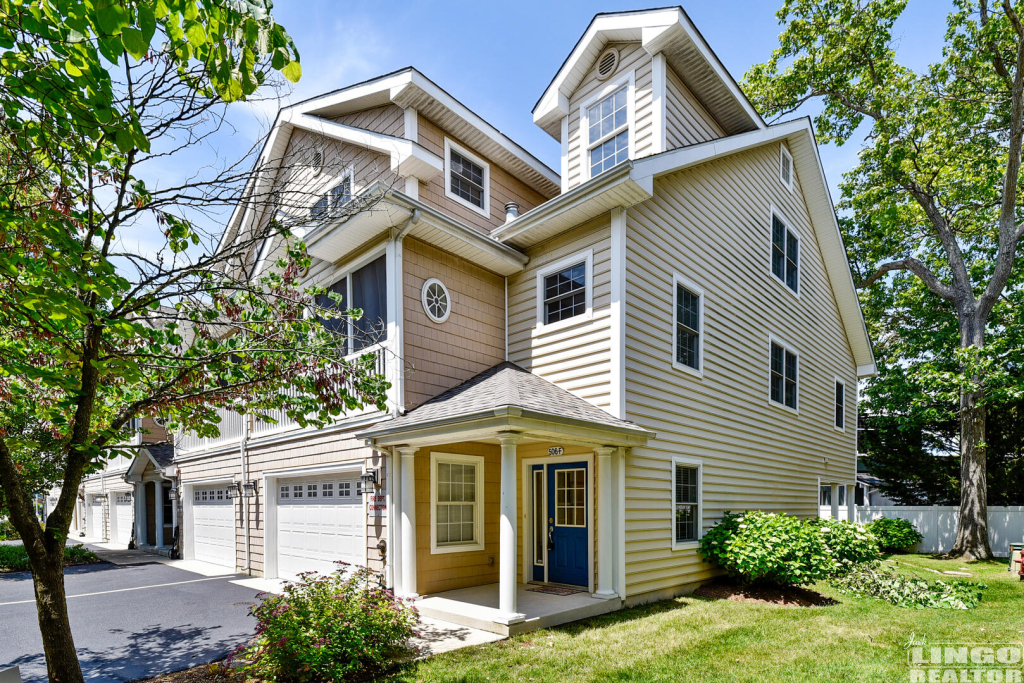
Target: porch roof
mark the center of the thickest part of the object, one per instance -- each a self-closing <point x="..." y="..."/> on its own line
<point x="506" y="398"/>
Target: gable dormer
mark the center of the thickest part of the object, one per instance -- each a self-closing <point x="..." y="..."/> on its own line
<point x="636" y="84"/>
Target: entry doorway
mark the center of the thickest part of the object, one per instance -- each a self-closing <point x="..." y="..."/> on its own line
<point x="560" y="522"/>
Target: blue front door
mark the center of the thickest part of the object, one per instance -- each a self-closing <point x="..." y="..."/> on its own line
<point x="568" y="499"/>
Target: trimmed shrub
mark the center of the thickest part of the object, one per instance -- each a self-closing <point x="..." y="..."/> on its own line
<point x="760" y="547"/>
<point x="13" y="558"/>
<point x="329" y="628"/>
<point x="883" y="582"/>
<point x="895" y="535"/>
<point x="849" y="544"/>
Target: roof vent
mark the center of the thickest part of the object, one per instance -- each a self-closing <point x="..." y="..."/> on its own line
<point x="607" y="63"/>
<point x="511" y="211"/>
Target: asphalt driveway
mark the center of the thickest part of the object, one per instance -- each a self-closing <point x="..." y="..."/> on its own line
<point x="130" y="621"/>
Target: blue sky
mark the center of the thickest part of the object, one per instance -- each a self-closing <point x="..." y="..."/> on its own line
<point x="497" y="58"/>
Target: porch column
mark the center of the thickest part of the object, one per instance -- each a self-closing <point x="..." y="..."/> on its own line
<point x="158" y="507"/>
<point x="140" y="514"/>
<point x="605" y="555"/>
<point x="395" y="519"/>
<point x="507" y="527"/>
<point x="408" y="520"/>
<point x="835" y="501"/>
<point x="851" y="502"/>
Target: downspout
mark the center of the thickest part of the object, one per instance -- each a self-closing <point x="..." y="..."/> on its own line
<point x="246" y="422"/>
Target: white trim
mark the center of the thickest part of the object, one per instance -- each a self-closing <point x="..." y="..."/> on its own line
<point x="659" y="101"/>
<point x="526" y="464"/>
<point x="629" y="80"/>
<point x="774" y="211"/>
<point x="586" y="256"/>
<point x="395" y="322"/>
<point x="699" y="464"/>
<point x="678" y="280"/>
<point x="450" y="145"/>
<point x="270" y="506"/>
<point x="565" y="153"/>
<point x="619" y="228"/>
<point x="839" y="381"/>
<point x="478" y="509"/>
<point x="410" y="124"/>
<point x="773" y="339"/>
<point x="784" y="155"/>
<point x="426" y="308"/>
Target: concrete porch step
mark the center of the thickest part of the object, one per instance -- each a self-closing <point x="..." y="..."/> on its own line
<point x="477" y="608"/>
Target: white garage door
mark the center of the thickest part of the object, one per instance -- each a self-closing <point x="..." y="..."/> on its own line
<point x="125" y="515"/>
<point x="213" y="525"/>
<point x="95" y="522"/>
<point x="319" y="522"/>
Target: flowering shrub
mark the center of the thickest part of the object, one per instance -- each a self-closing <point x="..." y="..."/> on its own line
<point x="761" y="547"/>
<point x="329" y="628"/>
<point x="895" y="535"/>
<point x="875" y="580"/>
<point x="849" y="544"/>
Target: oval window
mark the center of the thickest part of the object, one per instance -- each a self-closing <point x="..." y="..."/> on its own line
<point x="436" y="302"/>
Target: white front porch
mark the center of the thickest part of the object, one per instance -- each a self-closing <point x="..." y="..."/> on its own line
<point x="479" y="607"/>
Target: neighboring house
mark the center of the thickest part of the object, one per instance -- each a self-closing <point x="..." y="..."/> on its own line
<point x="594" y="365"/>
<point x="127" y="489"/>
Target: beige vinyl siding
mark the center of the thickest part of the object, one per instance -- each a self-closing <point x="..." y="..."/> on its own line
<point x="438" y="356"/>
<point x="687" y="122"/>
<point x="504" y="187"/>
<point x="388" y="119"/>
<point x="711" y="225"/>
<point x="632" y="57"/>
<point x="308" y="450"/>
<point x="575" y="355"/>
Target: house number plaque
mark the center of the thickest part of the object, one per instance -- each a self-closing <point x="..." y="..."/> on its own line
<point x="556" y="450"/>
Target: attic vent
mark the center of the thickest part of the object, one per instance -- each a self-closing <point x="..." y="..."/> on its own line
<point x="607" y="63"/>
<point x="317" y="162"/>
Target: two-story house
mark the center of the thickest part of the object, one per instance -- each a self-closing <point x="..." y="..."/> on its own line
<point x="589" y="367"/>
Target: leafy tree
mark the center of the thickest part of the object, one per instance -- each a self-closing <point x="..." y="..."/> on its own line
<point x="95" y="332"/>
<point x="933" y="217"/>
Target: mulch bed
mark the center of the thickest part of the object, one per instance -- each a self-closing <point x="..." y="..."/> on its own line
<point x="792" y="596"/>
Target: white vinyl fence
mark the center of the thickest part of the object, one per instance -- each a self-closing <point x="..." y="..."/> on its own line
<point x="938" y="525"/>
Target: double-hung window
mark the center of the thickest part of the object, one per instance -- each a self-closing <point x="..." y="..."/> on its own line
<point x="689" y="326"/>
<point x="364" y="288"/>
<point x="784" y="376"/>
<point x="467" y="178"/>
<point x="565" y="289"/>
<point x="608" y="131"/>
<point x="686" y="517"/>
<point x="565" y="293"/>
<point x="456" y="509"/>
<point x="785" y="253"/>
<point x="840" y="418"/>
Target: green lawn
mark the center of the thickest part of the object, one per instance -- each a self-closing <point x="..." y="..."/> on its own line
<point x="691" y="639"/>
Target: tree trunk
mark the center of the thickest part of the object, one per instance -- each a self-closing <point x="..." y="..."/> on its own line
<point x="51" y="605"/>
<point x="972" y="528"/>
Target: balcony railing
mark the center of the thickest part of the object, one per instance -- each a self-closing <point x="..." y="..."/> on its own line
<point x="232" y="424"/>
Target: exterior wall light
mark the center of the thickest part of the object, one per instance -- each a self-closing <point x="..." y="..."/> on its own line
<point x="234" y="490"/>
<point x="369" y="477"/>
<point x="249" y="488"/>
